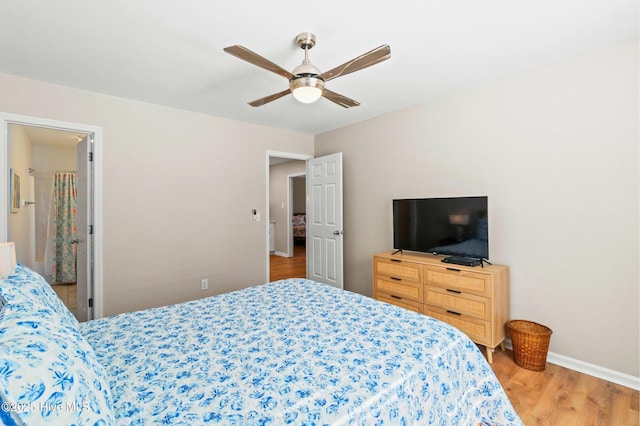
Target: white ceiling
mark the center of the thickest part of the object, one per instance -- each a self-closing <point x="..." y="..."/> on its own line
<point x="170" y="52"/>
<point x="52" y="137"/>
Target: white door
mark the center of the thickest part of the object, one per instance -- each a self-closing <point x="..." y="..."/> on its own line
<point x="84" y="222"/>
<point x="324" y="220"/>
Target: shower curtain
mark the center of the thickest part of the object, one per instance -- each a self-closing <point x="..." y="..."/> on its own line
<point x="60" y="250"/>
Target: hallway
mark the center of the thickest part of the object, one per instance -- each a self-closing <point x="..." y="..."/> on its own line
<point x="289" y="267"/>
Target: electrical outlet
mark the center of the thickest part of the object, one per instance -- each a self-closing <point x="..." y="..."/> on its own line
<point x="204" y="284"/>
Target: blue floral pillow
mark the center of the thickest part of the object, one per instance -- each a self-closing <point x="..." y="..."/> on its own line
<point x="33" y="286"/>
<point x="49" y="374"/>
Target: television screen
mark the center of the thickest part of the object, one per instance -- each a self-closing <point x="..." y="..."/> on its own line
<point x="451" y="226"/>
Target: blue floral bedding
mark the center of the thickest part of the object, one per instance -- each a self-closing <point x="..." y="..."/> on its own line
<point x="293" y="352"/>
<point x="49" y="374"/>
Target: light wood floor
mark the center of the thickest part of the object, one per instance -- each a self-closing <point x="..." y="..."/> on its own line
<point x="68" y="293"/>
<point x="556" y="396"/>
<point x="559" y="396"/>
<point x="289" y="267"/>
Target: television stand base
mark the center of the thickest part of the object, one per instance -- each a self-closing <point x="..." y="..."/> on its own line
<point x="464" y="261"/>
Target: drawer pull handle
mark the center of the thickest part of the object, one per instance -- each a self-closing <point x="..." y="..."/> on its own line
<point x="396" y="297"/>
<point x="453" y="291"/>
<point x="453" y="269"/>
<point x="396" y="279"/>
<point x="454" y="312"/>
<point x="395" y="260"/>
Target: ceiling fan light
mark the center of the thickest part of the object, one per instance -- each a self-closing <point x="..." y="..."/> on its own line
<point x="307" y="89"/>
<point x="307" y="95"/>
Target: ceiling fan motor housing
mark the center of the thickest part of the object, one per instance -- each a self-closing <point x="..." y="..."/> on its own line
<point x="306" y="75"/>
<point x="306" y="80"/>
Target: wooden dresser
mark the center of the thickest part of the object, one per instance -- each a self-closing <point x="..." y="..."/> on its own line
<point x="472" y="299"/>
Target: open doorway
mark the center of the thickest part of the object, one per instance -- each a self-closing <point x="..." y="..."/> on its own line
<point x="44" y="227"/>
<point x="47" y="152"/>
<point x="297" y="189"/>
<point x="39" y="150"/>
<point x="286" y="208"/>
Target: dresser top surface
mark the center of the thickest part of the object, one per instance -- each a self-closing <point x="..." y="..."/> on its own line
<point x="436" y="260"/>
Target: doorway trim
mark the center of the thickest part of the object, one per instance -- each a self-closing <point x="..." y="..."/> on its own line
<point x="277" y="154"/>
<point x="5" y="120"/>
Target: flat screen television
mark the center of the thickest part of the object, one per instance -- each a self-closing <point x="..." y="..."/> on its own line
<point x="449" y="226"/>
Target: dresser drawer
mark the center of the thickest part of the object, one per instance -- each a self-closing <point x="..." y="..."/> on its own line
<point x="403" y="303"/>
<point x="452" y="300"/>
<point x="398" y="288"/>
<point x="456" y="279"/>
<point x="478" y="330"/>
<point x="401" y="269"/>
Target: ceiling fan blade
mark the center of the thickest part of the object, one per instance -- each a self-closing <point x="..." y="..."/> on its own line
<point x="255" y="59"/>
<point x="339" y="99"/>
<point x="378" y="54"/>
<point x="267" y="99"/>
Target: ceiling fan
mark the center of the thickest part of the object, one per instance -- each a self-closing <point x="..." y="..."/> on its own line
<point x="306" y="82"/>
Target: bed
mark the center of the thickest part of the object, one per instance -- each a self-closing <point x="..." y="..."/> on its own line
<point x="286" y="352"/>
<point x="299" y="222"/>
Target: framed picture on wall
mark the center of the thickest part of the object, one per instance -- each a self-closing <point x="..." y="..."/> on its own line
<point x="14" y="192"/>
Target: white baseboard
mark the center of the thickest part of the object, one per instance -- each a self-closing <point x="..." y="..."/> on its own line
<point x="607" y="374"/>
<point x="281" y="253"/>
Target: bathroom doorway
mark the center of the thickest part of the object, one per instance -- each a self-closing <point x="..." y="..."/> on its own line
<point x="46" y="156"/>
<point x="45" y="235"/>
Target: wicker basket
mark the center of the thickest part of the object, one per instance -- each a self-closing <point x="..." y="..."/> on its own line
<point x="530" y="342"/>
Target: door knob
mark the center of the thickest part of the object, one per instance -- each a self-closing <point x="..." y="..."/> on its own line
<point x="337" y="232"/>
<point x="74" y="241"/>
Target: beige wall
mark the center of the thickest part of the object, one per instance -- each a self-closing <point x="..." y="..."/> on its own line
<point x="556" y="151"/>
<point x="48" y="157"/>
<point x="178" y="188"/>
<point x="19" y="152"/>
<point x="300" y="194"/>
<point x="278" y="195"/>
